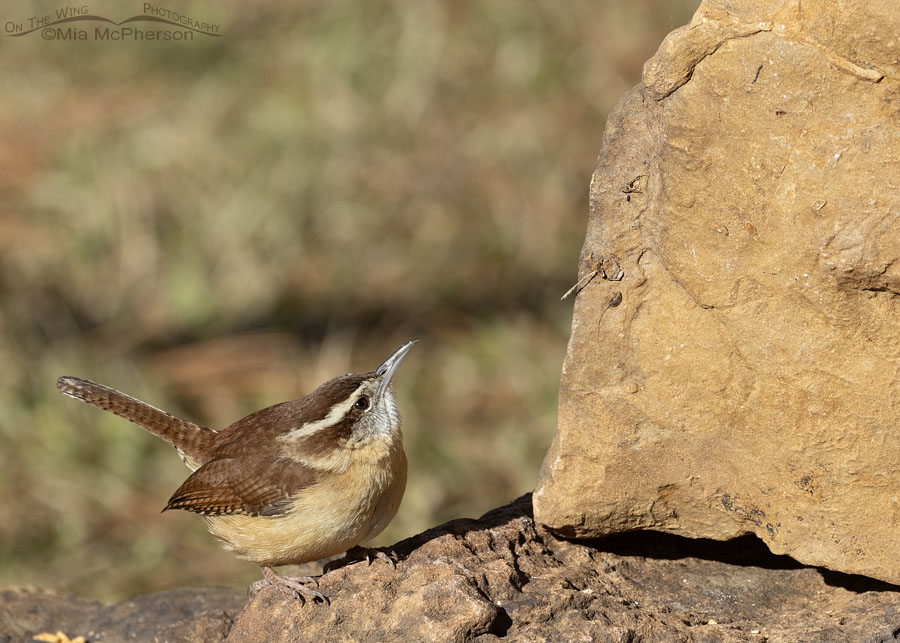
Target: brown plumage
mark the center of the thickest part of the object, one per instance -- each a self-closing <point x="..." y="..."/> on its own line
<point x="294" y="482"/>
<point x="248" y="486"/>
<point x="191" y="439"/>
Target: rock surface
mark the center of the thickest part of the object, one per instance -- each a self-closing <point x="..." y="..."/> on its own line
<point x="733" y="368"/>
<point x="501" y="577"/>
<point x="175" y="616"/>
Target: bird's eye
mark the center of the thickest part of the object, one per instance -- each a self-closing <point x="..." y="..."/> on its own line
<point x="362" y="403"/>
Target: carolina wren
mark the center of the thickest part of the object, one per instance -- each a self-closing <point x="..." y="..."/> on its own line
<point x="292" y="483"/>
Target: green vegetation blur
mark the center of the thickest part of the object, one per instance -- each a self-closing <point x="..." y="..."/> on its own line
<point x="218" y="225"/>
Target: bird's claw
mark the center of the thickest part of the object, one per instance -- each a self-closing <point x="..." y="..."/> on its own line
<point x="358" y="554"/>
<point x="293" y="586"/>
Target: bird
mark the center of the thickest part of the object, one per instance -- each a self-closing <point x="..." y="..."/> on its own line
<point x="294" y="482"/>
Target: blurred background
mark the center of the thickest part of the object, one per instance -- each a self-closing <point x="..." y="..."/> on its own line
<point x="218" y="225"/>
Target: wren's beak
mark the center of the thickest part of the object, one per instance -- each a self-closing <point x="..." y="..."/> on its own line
<point x="386" y="370"/>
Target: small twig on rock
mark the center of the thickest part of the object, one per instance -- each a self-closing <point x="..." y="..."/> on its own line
<point x="607" y="267"/>
<point x="584" y="281"/>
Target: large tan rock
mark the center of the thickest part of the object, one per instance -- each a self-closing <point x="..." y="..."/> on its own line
<point x="748" y="196"/>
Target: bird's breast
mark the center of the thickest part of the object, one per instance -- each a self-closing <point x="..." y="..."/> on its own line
<point x="338" y="512"/>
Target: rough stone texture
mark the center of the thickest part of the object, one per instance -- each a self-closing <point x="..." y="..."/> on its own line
<point x="503" y="578"/>
<point x="748" y="193"/>
<point x="175" y="616"/>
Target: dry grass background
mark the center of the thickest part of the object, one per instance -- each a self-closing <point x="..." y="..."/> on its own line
<point x="219" y="225"/>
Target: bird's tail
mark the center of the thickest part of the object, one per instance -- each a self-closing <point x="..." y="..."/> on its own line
<point x="192" y="440"/>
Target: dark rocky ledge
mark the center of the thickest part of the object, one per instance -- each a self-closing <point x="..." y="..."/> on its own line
<point x="500" y="577"/>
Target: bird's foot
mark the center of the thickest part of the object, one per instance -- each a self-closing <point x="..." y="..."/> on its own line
<point x="358" y="554"/>
<point x="295" y="586"/>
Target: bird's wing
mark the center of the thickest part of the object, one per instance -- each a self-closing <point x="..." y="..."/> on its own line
<point x="242" y="486"/>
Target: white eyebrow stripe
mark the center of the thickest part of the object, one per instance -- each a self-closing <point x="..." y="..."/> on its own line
<point x="335" y="415"/>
